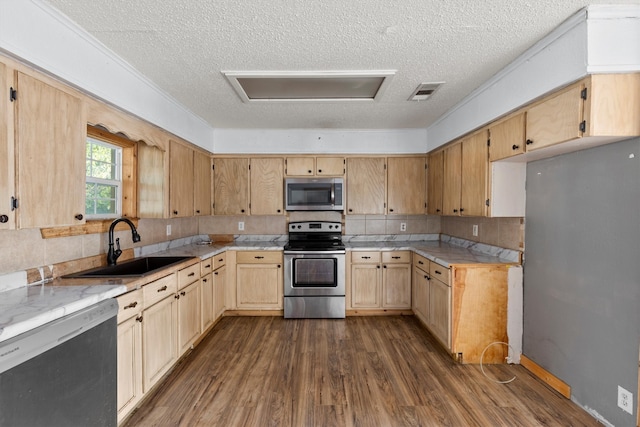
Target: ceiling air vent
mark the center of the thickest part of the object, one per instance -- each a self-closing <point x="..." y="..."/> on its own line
<point x="424" y="91"/>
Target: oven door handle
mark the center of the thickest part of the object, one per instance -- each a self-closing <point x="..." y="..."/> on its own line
<point x="339" y="252"/>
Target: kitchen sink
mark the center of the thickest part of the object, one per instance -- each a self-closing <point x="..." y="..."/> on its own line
<point x="138" y="267"/>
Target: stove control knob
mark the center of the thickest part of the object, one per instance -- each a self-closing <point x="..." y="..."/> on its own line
<point x="331" y="226"/>
<point x="299" y="227"/>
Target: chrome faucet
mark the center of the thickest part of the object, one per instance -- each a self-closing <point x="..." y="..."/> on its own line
<point x="112" y="255"/>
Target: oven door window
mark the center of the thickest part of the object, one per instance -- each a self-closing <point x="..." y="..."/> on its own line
<point x="315" y="273"/>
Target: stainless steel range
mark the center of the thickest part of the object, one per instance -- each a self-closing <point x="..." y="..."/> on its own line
<point x="314" y="271"/>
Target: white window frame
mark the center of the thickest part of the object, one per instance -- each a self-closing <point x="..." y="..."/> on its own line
<point x="116" y="182"/>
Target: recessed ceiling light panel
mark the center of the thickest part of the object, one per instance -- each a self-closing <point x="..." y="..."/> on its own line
<point x="309" y="86"/>
<point x="424" y="91"/>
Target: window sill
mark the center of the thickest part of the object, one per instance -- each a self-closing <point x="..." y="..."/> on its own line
<point x="90" y="227"/>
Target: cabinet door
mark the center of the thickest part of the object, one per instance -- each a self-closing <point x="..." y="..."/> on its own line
<point x="330" y="166"/>
<point x="7" y="158"/>
<point x="406" y="179"/>
<point x="420" y="302"/>
<point x="129" y="365"/>
<point x="365" y="285"/>
<point x="507" y="138"/>
<point x="452" y="180"/>
<point x="51" y="136"/>
<point x="151" y="182"/>
<point x="300" y="166"/>
<point x="475" y="166"/>
<point x="259" y="286"/>
<point x="440" y="311"/>
<point x="207" y="295"/>
<point x="556" y="119"/>
<point x="159" y="340"/>
<point x="189" y="318"/>
<point x="201" y="184"/>
<point x="435" y="182"/>
<point x="396" y="286"/>
<point x="231" y="186"/>
<point x="267" y="186"/>
<point x="180" y="180"/>
<point x="366" y="185"/>
<point x="219" y="283"/>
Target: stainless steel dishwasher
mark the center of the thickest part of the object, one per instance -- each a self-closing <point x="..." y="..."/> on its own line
<point x="63" y="373"/>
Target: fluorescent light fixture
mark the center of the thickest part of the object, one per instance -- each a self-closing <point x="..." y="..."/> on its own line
<point x="309" y="86"/>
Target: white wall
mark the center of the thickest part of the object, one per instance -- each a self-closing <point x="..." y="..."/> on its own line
<point x="34" y="32"/>
<point x="265" y="141"/>
<point x="598" y="39"/>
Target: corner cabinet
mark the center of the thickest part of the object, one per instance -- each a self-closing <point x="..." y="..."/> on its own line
<point x="51" y="131"/>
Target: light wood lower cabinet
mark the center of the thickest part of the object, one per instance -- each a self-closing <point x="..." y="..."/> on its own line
<point x="159" y="329"/>
<point x="219" y="284"/>
<point x="380" y="280"/>
<point x="440" y="311"/>
<point x="259" y="282"/>
<point x="129" y="352"/>
<point x="189" y="318"/>
<point x="420" y="288"/>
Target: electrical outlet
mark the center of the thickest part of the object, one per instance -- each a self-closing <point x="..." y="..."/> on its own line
<point x="403" y="226"/>
<point x="240" y="225"/>
<point x="625" y="400"/>
<point x="168" y="229"/>
<point x="475" y="230"/>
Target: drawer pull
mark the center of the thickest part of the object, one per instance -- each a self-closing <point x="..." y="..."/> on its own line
<point x="216" y="273"/>
<point x="204" y="280"/>
<point x="438" y="272"/>
<point x="258" y="257"/>
<point x="164" y="288"/>
<point x="395" y="257"/>
<point x="139" y="319"/>
<point x="366" y="257"/>
<point x="132" y="305"/>
<point x="420" y="262"/>
<point x="191" y="274"/>
<point x="183" y="293"/>
<point x="207" y="266"/>
<point x="221" y="259"/>
<point x="177" y="296"/>
<point x="515" y="147"/>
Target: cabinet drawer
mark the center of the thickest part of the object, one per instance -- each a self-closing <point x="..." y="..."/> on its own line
<point x="206" y="266"/>
<point x="159" y="289"/>
<point x="219" y="260"/>
<point x="439" y="272"/>
<point x="365" y="257"/>
<point x="258" y="257"/>
<point x="421" y="262"/>
<point x="188" y="275"/>
<point x="399" y="257"/>
<point x="129" y="305"/>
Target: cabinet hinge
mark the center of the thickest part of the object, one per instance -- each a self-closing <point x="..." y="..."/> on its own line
<point x="13" y="94"/>
<point x="583" y="126"/>
<point x="583" y="94"/>
<point x="213" y="167"/>
<point x="385" y="166"/>
<point x="486" y="202"/>
<point x="489" y="142"/>
<point x="249" y="166"/>
<point x="14" y="203"/>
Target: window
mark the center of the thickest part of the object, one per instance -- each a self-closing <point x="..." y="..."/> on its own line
<point x="103" y="180"/>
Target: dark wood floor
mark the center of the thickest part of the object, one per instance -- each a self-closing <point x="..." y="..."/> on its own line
<point x="361" y="371"/>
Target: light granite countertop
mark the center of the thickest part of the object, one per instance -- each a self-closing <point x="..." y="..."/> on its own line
<point x="28" y="307"/>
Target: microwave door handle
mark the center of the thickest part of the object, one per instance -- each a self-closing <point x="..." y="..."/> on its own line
<point x="333" y="195"/>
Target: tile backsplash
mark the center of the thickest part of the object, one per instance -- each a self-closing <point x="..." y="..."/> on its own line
<point x="503" y="232"/>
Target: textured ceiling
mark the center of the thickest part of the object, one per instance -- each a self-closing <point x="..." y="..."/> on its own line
<point x="183" y="45"/>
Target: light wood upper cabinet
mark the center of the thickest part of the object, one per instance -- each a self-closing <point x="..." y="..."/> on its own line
<point x="556" y="119"/>
<point x="366" y="185"/>
<point x="50" y="139"/>
<point x="330" y="166"/>
<point x="201" y="183"/>
<point x="7" y="158"/>
<point x="507" y="138"/>
<point x="406" y="180"/>
<point x="267" y="186"/>
<point x="180" y="180"/>
<point x="231" y="187"/>
<point x="151" y="182"/>
<point x="435" y="181"/>
<point x="475" y="165"/>
<point x="452" y="184"/>
<point x="314" y="166"/>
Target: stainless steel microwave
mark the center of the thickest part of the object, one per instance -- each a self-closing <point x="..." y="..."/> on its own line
<point x="314" y="194"/>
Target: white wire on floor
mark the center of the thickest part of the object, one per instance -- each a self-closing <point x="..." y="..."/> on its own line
<point x="482" y="368"/>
